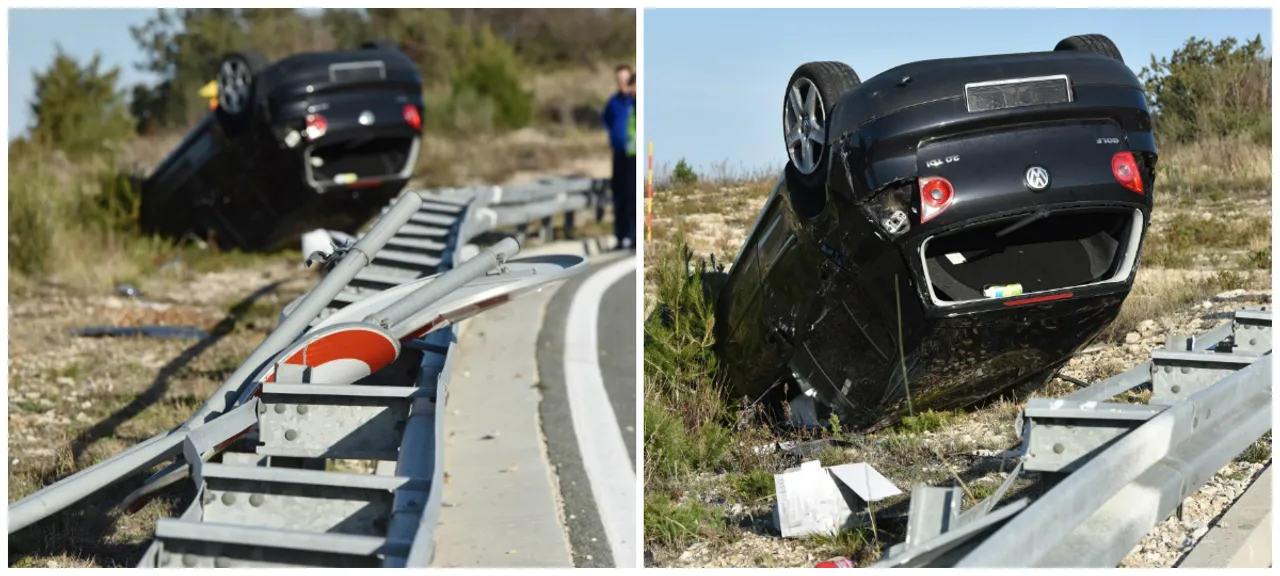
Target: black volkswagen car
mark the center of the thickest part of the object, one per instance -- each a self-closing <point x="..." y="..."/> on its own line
<point x="944" y="232"/>
<point x="316" y="140"/>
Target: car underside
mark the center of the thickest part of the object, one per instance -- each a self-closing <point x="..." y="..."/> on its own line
<point x="317" y="140"/>
<point x="956" y="230"/>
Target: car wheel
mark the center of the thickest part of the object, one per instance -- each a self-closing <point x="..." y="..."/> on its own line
<point x="812" y="92"/>
<point x="236" y="74"/>
<point x="1096" y="43"/>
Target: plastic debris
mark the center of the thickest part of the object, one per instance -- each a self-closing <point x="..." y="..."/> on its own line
<point x="837" y="562"/>
<point x="128" y="290"/>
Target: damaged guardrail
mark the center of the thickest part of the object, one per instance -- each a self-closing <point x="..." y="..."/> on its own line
<point x="357" y="370"/>
<point x="521" y="205"/>
<point x="1121" y="468"/>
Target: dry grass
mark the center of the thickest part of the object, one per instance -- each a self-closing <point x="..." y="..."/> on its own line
<point x="498" y="159"/>
<point x="1214" y="168"/>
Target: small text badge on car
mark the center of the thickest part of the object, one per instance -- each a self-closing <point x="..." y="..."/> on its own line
<point x="1037" y="178"/>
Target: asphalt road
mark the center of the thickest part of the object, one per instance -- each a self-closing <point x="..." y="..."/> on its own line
<point x="578" y="428"/>
<point x="540" y="448"/>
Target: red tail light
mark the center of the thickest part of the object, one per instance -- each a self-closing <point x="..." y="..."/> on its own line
<point x="316" y="126"/>
<point x="936" y="195"/>
<point x="1125" y="169"/>
<point x="1039" y="299"/>
<point x="411" y="116"/>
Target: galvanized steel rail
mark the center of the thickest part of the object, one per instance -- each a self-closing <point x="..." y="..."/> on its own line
<point x="1121" y="468"/>
<point x="279" y="422"/>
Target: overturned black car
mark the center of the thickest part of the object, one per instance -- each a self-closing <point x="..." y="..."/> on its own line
<point x="317" y="140"/>
<point x="969" y="222"/>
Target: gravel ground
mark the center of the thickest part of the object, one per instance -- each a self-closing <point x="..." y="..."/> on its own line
<point x="1173" y="539"/>
<point x="976" y="447"/>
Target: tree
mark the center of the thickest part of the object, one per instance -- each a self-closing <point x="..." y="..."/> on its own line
<point x="77" y="108"/>
<point x="1207" y="90"/>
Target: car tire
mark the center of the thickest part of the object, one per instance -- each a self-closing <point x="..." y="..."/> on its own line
<point x="380" y="45"/>
<point x="811" y="94"/>
<point x="1096" y="43"/>
<point x="237" y="93"/>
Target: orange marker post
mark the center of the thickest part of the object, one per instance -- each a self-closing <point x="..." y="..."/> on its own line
<point x="648" y="199"/>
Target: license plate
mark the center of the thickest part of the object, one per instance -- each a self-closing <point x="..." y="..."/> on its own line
<point x="357" y="71"/>
<point x="1017" y="92"/>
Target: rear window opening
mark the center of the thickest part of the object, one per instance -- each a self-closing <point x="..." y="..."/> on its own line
<point x="351" y="161"/>
<point x="1058" y="251"/>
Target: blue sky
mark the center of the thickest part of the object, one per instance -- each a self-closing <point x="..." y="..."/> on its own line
<point x="33" y="34"/>
<point x="714" y="79"/>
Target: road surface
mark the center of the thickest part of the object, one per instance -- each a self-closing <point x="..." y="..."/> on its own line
<point x="540" y="449"/>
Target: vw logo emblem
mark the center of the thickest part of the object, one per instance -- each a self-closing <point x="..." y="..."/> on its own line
<point x="366" y="118"/>
<point x="1037" y="178"/>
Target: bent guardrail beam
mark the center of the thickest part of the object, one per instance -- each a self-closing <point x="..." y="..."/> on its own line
<point x="1124" y="468"/>
<point x="76" y="487"/>
<point x="417" y="288"/>
<point x="1033" y="535"/>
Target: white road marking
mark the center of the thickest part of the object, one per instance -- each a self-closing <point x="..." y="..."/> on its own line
<point x="604" y="451"/>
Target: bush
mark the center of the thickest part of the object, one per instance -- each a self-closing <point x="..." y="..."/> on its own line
<point x="683" y="174"/>
<point x="31" y="225"/>
<point x="490" y="78"/>
<point x="1206" y="90"/>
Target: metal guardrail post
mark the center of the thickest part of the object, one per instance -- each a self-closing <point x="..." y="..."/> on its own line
<point x="1033" y="535"/>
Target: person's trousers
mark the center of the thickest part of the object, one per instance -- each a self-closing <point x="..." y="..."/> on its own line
<point x="624" y="197"/>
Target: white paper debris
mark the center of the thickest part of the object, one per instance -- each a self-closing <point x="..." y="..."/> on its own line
<point x="865" y="481"/>
<point x="810" y="501"/>
<point x="956" y="258"/>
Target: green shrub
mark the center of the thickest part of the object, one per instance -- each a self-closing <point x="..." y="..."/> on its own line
<point x="489" y="80"/>
<point x="31" y="217"/>
<point x="1207" y="90"/>
<point x="676" y="525"/>
<point x="683" y="174"/>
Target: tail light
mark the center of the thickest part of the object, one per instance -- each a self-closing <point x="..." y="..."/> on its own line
<point x="936" y="195"/>
<point x="1125" y="169"/>
<point x="411" y="116"/>
<point x="316" y="126"/>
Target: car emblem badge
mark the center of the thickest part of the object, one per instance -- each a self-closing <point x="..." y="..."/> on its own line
<point x="366" y="118"/>
<point x="1037" y="178"/>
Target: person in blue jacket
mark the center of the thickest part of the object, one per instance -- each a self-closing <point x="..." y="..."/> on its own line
<point x="617" y="117"/>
